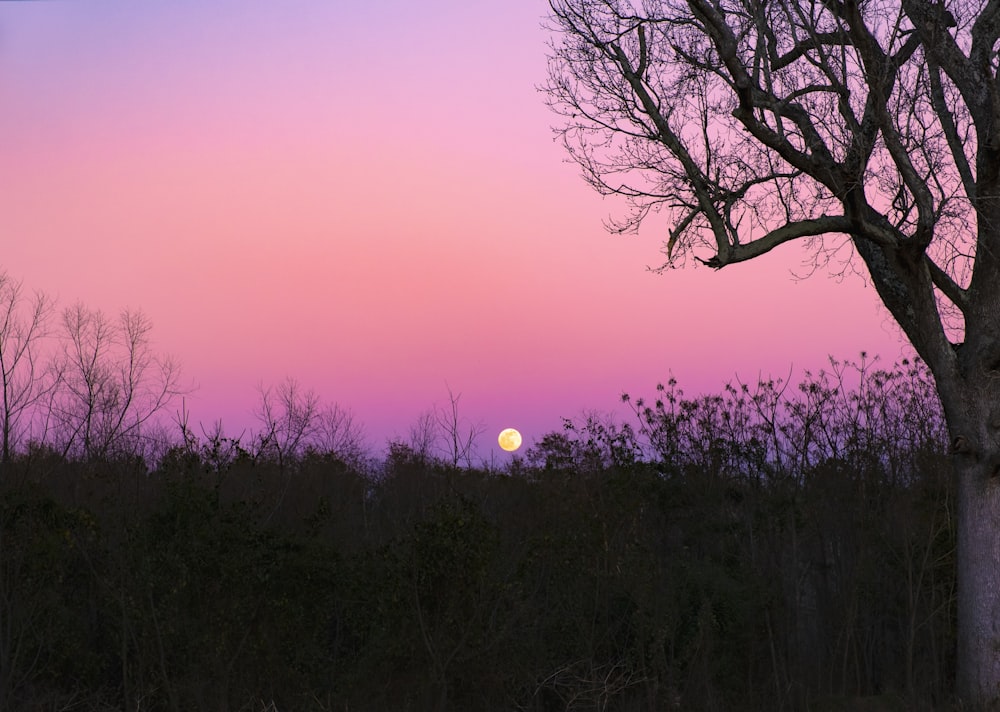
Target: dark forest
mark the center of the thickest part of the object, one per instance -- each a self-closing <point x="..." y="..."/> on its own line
<point x="776" y="546"/>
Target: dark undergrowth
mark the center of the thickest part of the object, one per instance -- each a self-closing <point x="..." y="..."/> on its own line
<point x="769" y="548"/>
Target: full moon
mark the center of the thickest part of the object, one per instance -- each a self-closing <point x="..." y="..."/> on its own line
<point x="510" y="439"/>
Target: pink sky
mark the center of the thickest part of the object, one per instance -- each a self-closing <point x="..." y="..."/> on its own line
<point x="365" y="197"/>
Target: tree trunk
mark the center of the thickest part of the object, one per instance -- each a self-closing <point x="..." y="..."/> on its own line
<point x="978" y="653"/>
<point x="971" y="400"/>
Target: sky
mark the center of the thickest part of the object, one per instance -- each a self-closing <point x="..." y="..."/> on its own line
<point x="366" y="197"/>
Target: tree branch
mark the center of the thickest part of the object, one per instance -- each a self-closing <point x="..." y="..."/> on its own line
<point x="955" y="143"/>
<point x="786" y="233"/>
<point x="949" y="287"/>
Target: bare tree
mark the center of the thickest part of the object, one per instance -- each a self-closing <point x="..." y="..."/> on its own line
<point x="111" y="382"/>
<point x="459" y="433"/>
<point x="868" y="130"/>
<point x="24" y="324"/>
<point x="289" y="417"/>
<point x="424" y="434"/>
<point x="340" y="433"/>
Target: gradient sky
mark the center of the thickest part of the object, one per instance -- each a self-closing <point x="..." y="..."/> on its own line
<point x="366" y="197"/>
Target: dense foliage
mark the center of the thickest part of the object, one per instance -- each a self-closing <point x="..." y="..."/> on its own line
<point x="772" y="547"/>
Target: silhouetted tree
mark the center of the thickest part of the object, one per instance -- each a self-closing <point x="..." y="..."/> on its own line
<point x="869" y="127"/>
<point x="459" y="433"/>
<point x="289" y="418"/>
<point x="341" y="434"/>
<point x="111" y="382"/>
<point x="424" y="436"/>
<point x="24" y="382"/>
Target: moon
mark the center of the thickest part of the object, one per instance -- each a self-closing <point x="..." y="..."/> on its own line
<point x="510" y="439"/>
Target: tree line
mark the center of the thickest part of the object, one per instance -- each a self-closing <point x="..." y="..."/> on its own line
<point x="774" y="546"/>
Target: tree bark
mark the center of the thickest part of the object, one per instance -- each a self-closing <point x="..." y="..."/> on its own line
<point x="971" y="402"/>
<point x="978" y="639"/>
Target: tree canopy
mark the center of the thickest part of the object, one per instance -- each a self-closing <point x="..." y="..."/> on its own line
<point x="860" y="127"/>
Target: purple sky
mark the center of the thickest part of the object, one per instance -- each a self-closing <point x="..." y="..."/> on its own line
<point x="366" y="197"/>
